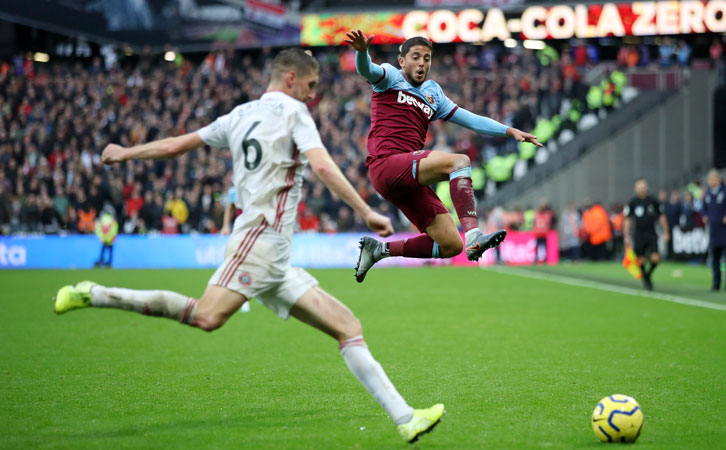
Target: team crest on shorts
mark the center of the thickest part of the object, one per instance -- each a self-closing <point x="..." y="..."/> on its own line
<point x="245" y="279"/>
<point x="418" y="152"/>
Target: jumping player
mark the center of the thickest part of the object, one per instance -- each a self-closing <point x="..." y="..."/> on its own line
<point x="403" y="104"/>
<point x="271" y="140"/>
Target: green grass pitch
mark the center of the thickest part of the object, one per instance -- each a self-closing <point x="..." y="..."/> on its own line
<point x="518" y="362"/>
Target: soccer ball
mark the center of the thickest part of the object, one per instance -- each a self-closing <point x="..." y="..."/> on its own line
<point x="617" y="418"/>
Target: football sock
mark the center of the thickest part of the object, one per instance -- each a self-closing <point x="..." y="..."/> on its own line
<point x="421" y="246"/>
<point x="462" y="195"/>
<point x="643" y="271"/>
<point x="371" y="375"/>
<point x="151" y="303"/>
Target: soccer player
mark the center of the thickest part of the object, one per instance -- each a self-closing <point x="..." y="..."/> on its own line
<point x="644" y="211"/>
<point x="403" y="104"/>
<point x="271" y="139"/>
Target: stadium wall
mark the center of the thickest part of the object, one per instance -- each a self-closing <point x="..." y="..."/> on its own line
<point x="309" y="250"/>
<point x="667" y="144"/>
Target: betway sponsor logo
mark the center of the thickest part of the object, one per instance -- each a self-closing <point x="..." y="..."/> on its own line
<point x="411" y="100"/>
<point x="13" y="256"/>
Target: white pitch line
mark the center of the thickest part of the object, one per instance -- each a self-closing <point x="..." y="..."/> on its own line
<point x="605" y="287"/>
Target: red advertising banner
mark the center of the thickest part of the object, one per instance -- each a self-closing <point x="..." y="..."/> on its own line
<point x="520" y="248"/>
<point x="535" y="22"/>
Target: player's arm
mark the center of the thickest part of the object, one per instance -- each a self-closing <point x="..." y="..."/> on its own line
<point x="485" y="125"/>
<point x="363" y="63"/>
<point x="627" y="224"/>
<point x="167" y="148"/>
<point x="226" y="227"/>
<point x="329" y="173"/>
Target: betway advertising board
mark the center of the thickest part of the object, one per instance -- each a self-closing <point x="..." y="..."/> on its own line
<point x="309" y="250"/>
<point x="576" y="20"/>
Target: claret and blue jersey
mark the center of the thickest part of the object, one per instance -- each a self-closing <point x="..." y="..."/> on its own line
<point x="401" y="113"/>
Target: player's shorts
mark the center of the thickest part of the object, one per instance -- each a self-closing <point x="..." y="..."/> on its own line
<point x="395" y="177"/>
<point x="257" y="264"/>
<point x="645" y="244"/>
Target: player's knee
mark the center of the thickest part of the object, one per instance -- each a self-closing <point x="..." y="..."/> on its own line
<point x="209" y="322"/>
<point x="655" y="258"/>
<point x="451" y="248"/>
<point x="350" y="329"/>
<point x="461" y="162"/>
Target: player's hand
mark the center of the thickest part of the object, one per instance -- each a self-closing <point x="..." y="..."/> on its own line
<point x="112" y="154"/>
<point x="379" y="223"/>
<point x="521" y="136"/>
<point x="627" y="241"/>
<point x="225" y="230"/>
<point x="358" y="40"/>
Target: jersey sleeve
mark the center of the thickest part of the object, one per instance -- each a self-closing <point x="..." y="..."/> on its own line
<point x="387" y="80"/>
<point x="444" y="106"/>
<point x="304" y="132"/>
<point x="216" y="134"/>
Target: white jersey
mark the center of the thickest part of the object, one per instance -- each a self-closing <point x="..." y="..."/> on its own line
<point x="268" y="138"/>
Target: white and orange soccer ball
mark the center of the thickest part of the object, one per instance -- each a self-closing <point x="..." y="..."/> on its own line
<point x="617" y="418"/>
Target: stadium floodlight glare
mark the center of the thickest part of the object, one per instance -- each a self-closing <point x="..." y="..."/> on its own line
<point x="41" y="57"/>
<point x="510" y="43"/>
<point x="171" y="56"/>
<point x="534" y="45"/>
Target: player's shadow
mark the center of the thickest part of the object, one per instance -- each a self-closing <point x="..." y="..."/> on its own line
<point x="235" y="422"/>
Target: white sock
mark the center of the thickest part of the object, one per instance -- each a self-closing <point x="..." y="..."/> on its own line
<point x="371" y="375"/>
<point x="152" y="303"/>
<point x="469" y="233"/>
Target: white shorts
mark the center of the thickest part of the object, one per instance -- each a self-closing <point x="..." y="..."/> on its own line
<point x="257" y="264"/>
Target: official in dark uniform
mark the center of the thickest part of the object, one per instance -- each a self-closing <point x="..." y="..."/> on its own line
<point x="714" y="208"/>
<point x="641" y="214"/>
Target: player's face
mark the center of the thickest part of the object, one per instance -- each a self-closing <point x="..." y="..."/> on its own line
<point x="416" y="64"/>
<point x="303" y="87"/>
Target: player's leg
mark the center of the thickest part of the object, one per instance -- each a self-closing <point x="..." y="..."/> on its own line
<point x="441" y="166"/>
<point x="324" y="312"/>
<point x="716" y="253"/>
<point x="209" y="312"/>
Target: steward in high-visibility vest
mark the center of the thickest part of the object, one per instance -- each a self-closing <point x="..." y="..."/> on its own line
<point x="106" y="229"/>
<point x="499" y="168"/>
<point x="594" y="98"/>
<point x="619" y="80"/>
<point x="478" y="178"/>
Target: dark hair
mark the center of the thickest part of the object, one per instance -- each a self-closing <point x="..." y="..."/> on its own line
<point x="410" y="42"/>
<point x="296" y="59"/>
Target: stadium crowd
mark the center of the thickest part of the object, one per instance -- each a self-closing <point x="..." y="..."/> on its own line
<point x="56" y="118"/>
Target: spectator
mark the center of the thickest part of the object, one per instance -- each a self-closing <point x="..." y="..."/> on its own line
<point x="169" y="224"/>
<point x="134" y="202"/>
<point x="308" y="220"/>
<point x="177" y="206"/>
<point x="597" y="232"/>
<point x="544" y="220"/>
<point x="345" y="220"/>
<point x="569" y="226"/>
